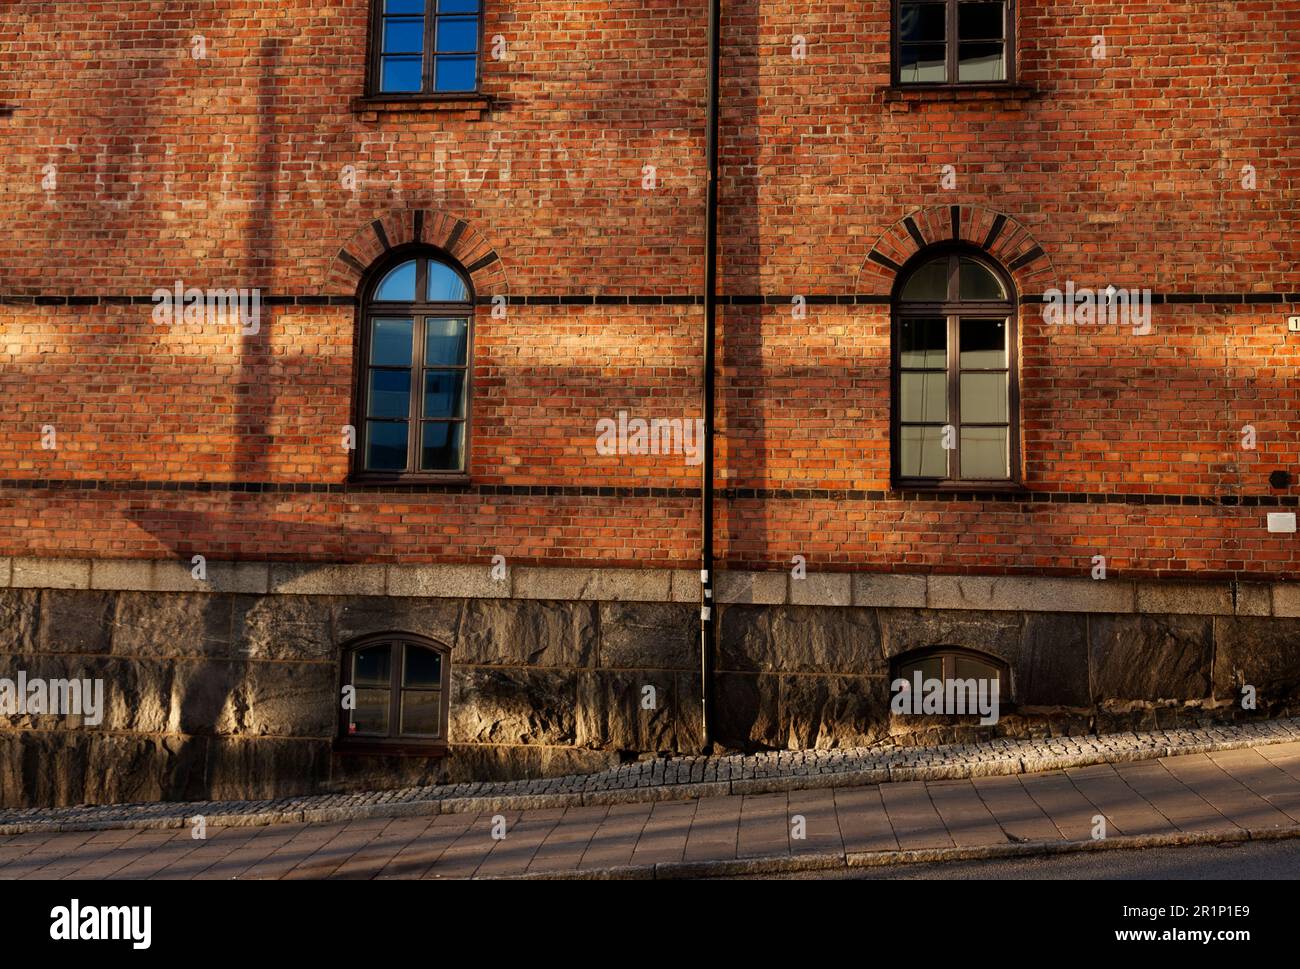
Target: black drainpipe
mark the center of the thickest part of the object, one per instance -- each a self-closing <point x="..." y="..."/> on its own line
<point x="708" y="613"/>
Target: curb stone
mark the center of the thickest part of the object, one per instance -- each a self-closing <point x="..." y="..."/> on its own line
<point x="830" y="861"/>
<point x="980" y="760"/>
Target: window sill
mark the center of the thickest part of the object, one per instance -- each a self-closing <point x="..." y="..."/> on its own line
<point x="903" y="95"/>
<point x="409" y="480"/>
<point x="961" y="490"/>
<point x="469" y="107"/>
<point x="379" y="748"/>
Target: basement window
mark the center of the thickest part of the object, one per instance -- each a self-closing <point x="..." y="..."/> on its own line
<point x="949" y="663"/>
<point x="950" y="681"/>
<point x="397" y="686"/>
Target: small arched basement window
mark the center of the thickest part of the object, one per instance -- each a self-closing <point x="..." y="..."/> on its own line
<point x="952" y="663"/>
<point x="414" y="387"/>
<point x="399" y="687"/>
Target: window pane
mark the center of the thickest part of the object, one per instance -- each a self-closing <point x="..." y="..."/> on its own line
<point x="403" y="6"/>
<point x="441" y="448"/>
<point x="457" y="34"/>
<point x="371" y="713"/>
<point x="984" y="453"/>
<point x="400" y="74"/>
<point x="967" y="668"/>
<point x="921" y="452"/>
<point x="371" y="666"/>
<point x="980" y="21"/>
<point x="983" y="343"/>
<point x="924" y="342"/>
<point x="922" y="64"/>
<point x="977" y="281"/>
<point x="444" y="393"/>
<point x="398" y="285"/>
<point x="420" y="713"/>
<point x="930" y="282"/>
<point x="456" y="73"/>
<point x="445" y="284"/>
<point x="922" y="22"/>
<point x="390" y="394"/>
<point x="931" y="668"/>
<point x="445" y="341"/>
<point x="457" y="6"/>
<point x="924" y="397"/>
<point x="980" y="62"/>
<point x="423" y="668"/>
<point x="403" y="35"/>
<point x="386" y="446"/>
<point x="391" y="342"/>
<point x="983" y="399"/>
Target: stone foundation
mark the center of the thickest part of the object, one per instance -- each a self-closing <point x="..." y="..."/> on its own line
<point x="231" y="689"/>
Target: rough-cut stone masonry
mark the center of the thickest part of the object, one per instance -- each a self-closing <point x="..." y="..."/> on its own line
<point x="232" y="692"/>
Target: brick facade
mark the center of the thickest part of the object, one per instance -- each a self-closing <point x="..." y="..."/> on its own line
<point x="228" y="170"/>
<point x="573" y="193"/>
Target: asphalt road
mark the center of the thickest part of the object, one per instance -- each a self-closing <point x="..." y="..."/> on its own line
<point x="1245" y="861"/>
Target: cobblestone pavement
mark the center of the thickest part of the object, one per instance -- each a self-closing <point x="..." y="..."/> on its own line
<point x="676" y="779"/>
<point x="1231" y="795"/>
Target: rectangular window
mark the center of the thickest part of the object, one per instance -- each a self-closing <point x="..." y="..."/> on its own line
<point x="923" y="397"/>
<point x="944" y="42"/>
<point x="954" y="408"/>
<point x="984" y="390"/>
<point x="438" y="405"/>
<point x="425" y="47"/>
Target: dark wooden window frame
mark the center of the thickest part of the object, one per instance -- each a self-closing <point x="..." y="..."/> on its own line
<point x="948" y="655"/>
<point x="374" y="58"/>
<point x="396" y="743"/>
<point x="951" y="48"/>
<point x="952" y="310"/>
<point x="369" y="309"/>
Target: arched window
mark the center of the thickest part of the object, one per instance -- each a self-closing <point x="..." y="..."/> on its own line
<point x="958" y="671"/>
<point x="399" y="692"/>
<point x="955" y="394"/>
<point x="950" y="663"/>
<point x="414" y="380"/>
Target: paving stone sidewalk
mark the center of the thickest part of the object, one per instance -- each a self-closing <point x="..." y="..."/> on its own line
<point x="1224" y="796"/>
<point x="676" y="779"/>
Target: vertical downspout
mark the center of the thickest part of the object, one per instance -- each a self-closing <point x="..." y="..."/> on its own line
<point x="708" y="615"/>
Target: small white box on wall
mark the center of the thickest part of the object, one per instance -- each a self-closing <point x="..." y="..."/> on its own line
<point x="1281" y="521"/>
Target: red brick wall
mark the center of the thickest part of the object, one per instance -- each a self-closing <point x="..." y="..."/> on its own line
<point x="229" y="171"/>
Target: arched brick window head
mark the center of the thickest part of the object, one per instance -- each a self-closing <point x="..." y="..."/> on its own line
<point x="955" y="389"/>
